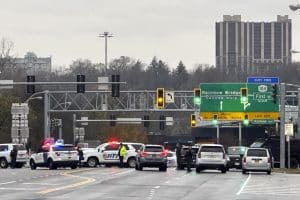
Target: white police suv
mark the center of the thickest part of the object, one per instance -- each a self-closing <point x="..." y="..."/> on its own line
<point x="53" y="156"/>
<point x="107" y="154"/>
<point x="5" y="159"/>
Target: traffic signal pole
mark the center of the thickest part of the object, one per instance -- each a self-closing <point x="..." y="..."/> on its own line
<point x="46" y="115"/>
<point x="282" y="125"/>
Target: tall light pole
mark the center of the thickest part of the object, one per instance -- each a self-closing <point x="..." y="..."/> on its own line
<point x="106" y="35"/>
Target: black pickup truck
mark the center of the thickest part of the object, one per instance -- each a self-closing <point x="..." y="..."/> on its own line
<point x="273" y="144"/>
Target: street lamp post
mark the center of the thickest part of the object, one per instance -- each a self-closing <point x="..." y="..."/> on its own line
<point x="105" y="35"/>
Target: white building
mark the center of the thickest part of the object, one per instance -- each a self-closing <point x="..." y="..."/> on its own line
<point x="32" y="64"/>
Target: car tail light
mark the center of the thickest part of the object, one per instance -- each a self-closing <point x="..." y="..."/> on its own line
<point x="164" y="154"/>
<point x="143" y="154"/>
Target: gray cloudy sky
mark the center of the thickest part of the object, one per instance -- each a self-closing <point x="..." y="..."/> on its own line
<point x="172" y="30"/>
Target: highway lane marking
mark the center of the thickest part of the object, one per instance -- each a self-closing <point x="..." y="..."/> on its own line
<point x="7" y="188"/>
<point x="156" y="187"/>
<point x="47" y="184"/>
<point x="86" y="180"/>
<point x="244" y="185"/>
<point x="8" y="182"/>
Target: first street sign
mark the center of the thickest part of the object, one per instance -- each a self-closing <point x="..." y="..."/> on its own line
<point x="263" y="80"/>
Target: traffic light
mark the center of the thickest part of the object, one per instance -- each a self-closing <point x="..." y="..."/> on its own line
<point x="115" y="86"/>
<point x="197" y="96"/>
<point x="215" y="119"/>
<point x="146" y="122"/>
<point x="80" y="86"/>
<point x="274" y="93"/>
<point x="244" y="95"/>
<point x="162" y="122"/>
<point x="193" y="120"/>
<point x="30" y="88"/>
<point x="160" y="98"/>
<point x="246" y="120"/>
<point x="112" y="118"/>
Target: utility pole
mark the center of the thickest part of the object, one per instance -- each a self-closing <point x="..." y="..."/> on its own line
<point x="105" y="35"/>
<point x="282" y="125"/>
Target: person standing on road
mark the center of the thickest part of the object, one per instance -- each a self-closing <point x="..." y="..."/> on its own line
<point x="189" y="159"/>
<point x="122" y="153"/>
<point x="13" y="157"/>
<point x="80" y="155"/>
<point x="178" y="154"/>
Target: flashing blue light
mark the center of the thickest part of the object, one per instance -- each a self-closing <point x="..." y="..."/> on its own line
<point x="59" y="142"/>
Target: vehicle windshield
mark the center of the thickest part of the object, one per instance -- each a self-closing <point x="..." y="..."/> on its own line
<point x="257" y="153"/>
<point x="153" y="149"/>
<point x="20" y="147"/>
<point x="63" y="148"/>
<point x="194" y="150"/>
<point x="236" y="150"/>
<point x="211" y="149"/>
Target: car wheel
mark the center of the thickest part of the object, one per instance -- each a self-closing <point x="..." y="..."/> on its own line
<point x="92" y="162"/>
<point x="223" y="170"/>
<point x="163" y="169"/>
<point x="131" y="162"/>
<point x="3" y="163"/>
<point x="198" y="169"/>
<point x="51" y="164"/>
<point x="32" y="165"/>
<point x="244" y="171"/>
<point x="269" y="172"/>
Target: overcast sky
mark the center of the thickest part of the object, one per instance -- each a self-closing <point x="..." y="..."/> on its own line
<point x="172" y="30"/>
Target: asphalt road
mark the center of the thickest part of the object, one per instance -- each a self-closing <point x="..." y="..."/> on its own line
<point x="115" y="183"/>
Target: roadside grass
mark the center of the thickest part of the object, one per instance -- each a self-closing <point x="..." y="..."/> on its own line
<point x="287" y="171"/>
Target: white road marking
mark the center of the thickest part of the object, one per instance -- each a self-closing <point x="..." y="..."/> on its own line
<point x="7" y="182"/>
<point x="244" y="185"/>
<point x="41" y="184"/>
<point x="156" y="187"/>
<point x="6" y="188"/>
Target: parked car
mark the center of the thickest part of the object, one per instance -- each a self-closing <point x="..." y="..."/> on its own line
<point x="152" y="155"/>
<point x="211" y="156"/>
<point x="235" y="154"/>
<point x="5" y="159"/>
<point x="257" y="159"/>
<point x="53" y="156"/>
<point x="172" y="160"/>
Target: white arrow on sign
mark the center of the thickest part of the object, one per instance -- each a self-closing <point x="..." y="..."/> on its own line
<point x="169" y="95"/>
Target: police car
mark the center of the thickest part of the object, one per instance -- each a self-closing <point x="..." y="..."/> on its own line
<point x="5" y="159"/>
<point x="53" y="156"/>
<point x="107" y="154"/>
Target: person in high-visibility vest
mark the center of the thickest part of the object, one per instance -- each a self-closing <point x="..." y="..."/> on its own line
<point x="122" y="154"/>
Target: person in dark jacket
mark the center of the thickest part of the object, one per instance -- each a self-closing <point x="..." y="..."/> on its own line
<point x="178" y="155"/>
<point x="13" y="157"/>
<point x="80" y="155"/>
<point x="189" y="158"/>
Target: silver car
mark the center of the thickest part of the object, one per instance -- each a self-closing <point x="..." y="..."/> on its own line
<point x="151" y="155"/>
<point x="211" y="156"/>
<point x="256" y="159"/>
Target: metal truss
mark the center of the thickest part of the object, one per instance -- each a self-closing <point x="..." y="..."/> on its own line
<point x="129" y="101"/>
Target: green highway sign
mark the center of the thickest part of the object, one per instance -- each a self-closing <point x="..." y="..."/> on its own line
<point x="227" y="97"/>
<point x="262" y="121"/>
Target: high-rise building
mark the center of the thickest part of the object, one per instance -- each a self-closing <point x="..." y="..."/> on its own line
<point x="252" y="47"/>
